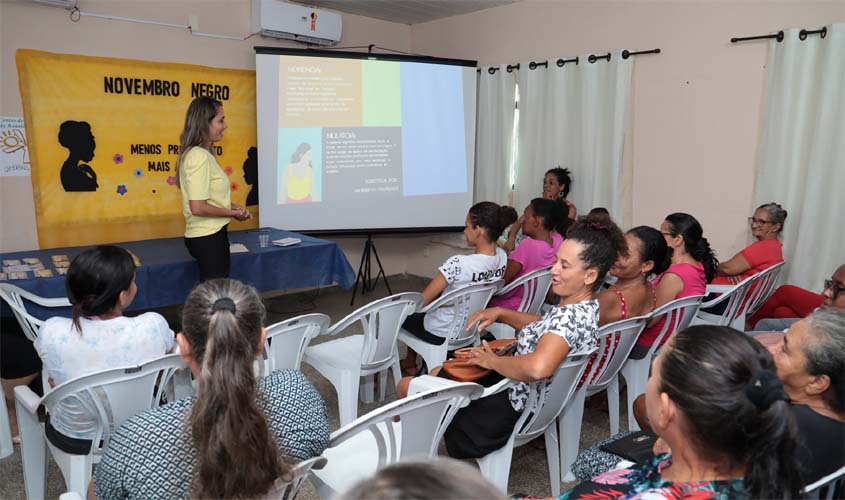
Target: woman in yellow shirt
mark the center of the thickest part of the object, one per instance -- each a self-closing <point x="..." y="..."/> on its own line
<point x="206" y="192"/>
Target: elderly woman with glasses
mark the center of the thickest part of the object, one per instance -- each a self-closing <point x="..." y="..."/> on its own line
<point x="766" y="226"/>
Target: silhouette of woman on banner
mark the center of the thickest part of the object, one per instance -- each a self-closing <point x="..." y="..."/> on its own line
<point x="78" y="139"/>
<point x="251" y="175"/>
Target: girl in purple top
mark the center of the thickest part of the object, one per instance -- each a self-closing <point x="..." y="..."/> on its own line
<point x="693" y="266"/>
<point x="543" y="223"/>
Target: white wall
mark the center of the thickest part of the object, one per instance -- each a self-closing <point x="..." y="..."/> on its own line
<point x="696" y="106"/>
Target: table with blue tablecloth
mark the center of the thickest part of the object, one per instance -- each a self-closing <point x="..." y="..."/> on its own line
<point x="168" y="273"/>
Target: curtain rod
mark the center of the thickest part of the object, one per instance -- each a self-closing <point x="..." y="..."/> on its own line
<point x="802" y="35"/>
<point x="562" y="62"/>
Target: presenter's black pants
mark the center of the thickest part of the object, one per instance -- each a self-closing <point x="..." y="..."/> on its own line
<point x="211" y="253"/>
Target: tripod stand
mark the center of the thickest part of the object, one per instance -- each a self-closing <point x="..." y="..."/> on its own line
<point x="365" y="276"/>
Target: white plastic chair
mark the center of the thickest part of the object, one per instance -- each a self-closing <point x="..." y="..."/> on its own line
<point x="546" y="399"/>
<point x="287" y="340"/>
<point x="7" y="447"/>
<point x="359" y="449"/>
<point x="17" y="299"/>
<point x="344" y="361"/>
<point x="735" y="296"/>
<point x="465" y="300"/>
<point x="300" y="472"/>
<point x="826" y="487"/>
<point x="679" y="315"/>
<point x="535" y="287"/>
<point x="615" y="341"/>
<point x="767" y="282"/>
<point x="111" y="396"/>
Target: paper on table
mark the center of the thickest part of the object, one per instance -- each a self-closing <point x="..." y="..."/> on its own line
<point x="237" y="248"/>
<point x="284" y="242"/>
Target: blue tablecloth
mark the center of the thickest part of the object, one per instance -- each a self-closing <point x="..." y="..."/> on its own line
<point x="168" y="272"/>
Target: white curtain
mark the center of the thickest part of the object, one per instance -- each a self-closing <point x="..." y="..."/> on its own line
<point x="801" y="156"/>
<point x="574" y="116"/>
<point x="494" y="136"/>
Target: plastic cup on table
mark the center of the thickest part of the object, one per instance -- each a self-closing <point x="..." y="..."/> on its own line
<point x="264" y="238"/>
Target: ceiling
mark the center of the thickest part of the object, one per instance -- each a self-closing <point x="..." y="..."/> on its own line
<point x="407" y="11"/>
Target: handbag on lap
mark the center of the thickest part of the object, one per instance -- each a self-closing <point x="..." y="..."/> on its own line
<point x="460" y="370"/>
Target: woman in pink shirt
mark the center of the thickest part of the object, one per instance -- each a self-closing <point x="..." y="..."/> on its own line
<point x="543" y="223"/>
<point x="693" y="265"/>
<point x="766" y="226"/>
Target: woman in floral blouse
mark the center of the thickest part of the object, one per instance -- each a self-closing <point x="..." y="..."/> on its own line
<point x="715" y="400"/>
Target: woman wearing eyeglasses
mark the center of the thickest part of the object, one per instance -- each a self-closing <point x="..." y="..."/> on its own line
<point x="766" y="226"/>
<point x="790" y="303"/>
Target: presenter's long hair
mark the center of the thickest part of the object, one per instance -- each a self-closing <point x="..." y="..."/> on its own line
<point x="195" y="133"/>
<point x="237" y="455"/>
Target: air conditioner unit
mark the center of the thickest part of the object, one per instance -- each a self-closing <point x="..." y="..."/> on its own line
<point x="278" y="19"/>
<point x="65" y="4"/>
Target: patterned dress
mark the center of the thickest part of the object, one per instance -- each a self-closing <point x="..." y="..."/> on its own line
<point x="577" y="324"/>
<point x="486" y="424"/>
<point x="646" y="483"/>
<point x="152" y="455"/>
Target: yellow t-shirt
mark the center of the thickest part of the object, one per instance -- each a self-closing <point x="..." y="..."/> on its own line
<point x="202" y="178"/>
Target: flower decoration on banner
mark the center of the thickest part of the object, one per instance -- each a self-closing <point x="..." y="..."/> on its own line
<point x="121" y="189"/>
<point x="117" y="158"/>
<point x="234" y="186"/>
<point x="171" y="180"/>
<point x="228" y="170"/>
<point x="138" y="172"/>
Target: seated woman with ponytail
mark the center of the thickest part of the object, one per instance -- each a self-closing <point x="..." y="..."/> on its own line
<point x="237" y="437"/>
<point x="632" y="294"/>
<point x="693" y="265"/>
<point x="484" y="224"/>
<point x="543" y="223"/>
<point x="100" y="284"/>
<point x="716" y="401"/>
<point x="556" y="184"/>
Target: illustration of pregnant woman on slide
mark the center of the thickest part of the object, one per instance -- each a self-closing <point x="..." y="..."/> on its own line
<point x="298" y="177"/>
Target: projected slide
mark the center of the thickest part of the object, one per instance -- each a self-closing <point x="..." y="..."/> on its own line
<point x="352" y="129"/>
<point x="348" y="142"/>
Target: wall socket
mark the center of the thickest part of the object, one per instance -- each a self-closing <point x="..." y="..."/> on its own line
<point x="194" y="22"/>
<point x="426" y="251"/>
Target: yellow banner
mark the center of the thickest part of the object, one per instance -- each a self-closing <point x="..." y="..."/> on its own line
<point x="104" y="138"/>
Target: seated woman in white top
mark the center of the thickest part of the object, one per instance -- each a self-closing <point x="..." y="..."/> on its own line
<point x="100" y="284"/>
<point x="484" y="224"/>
